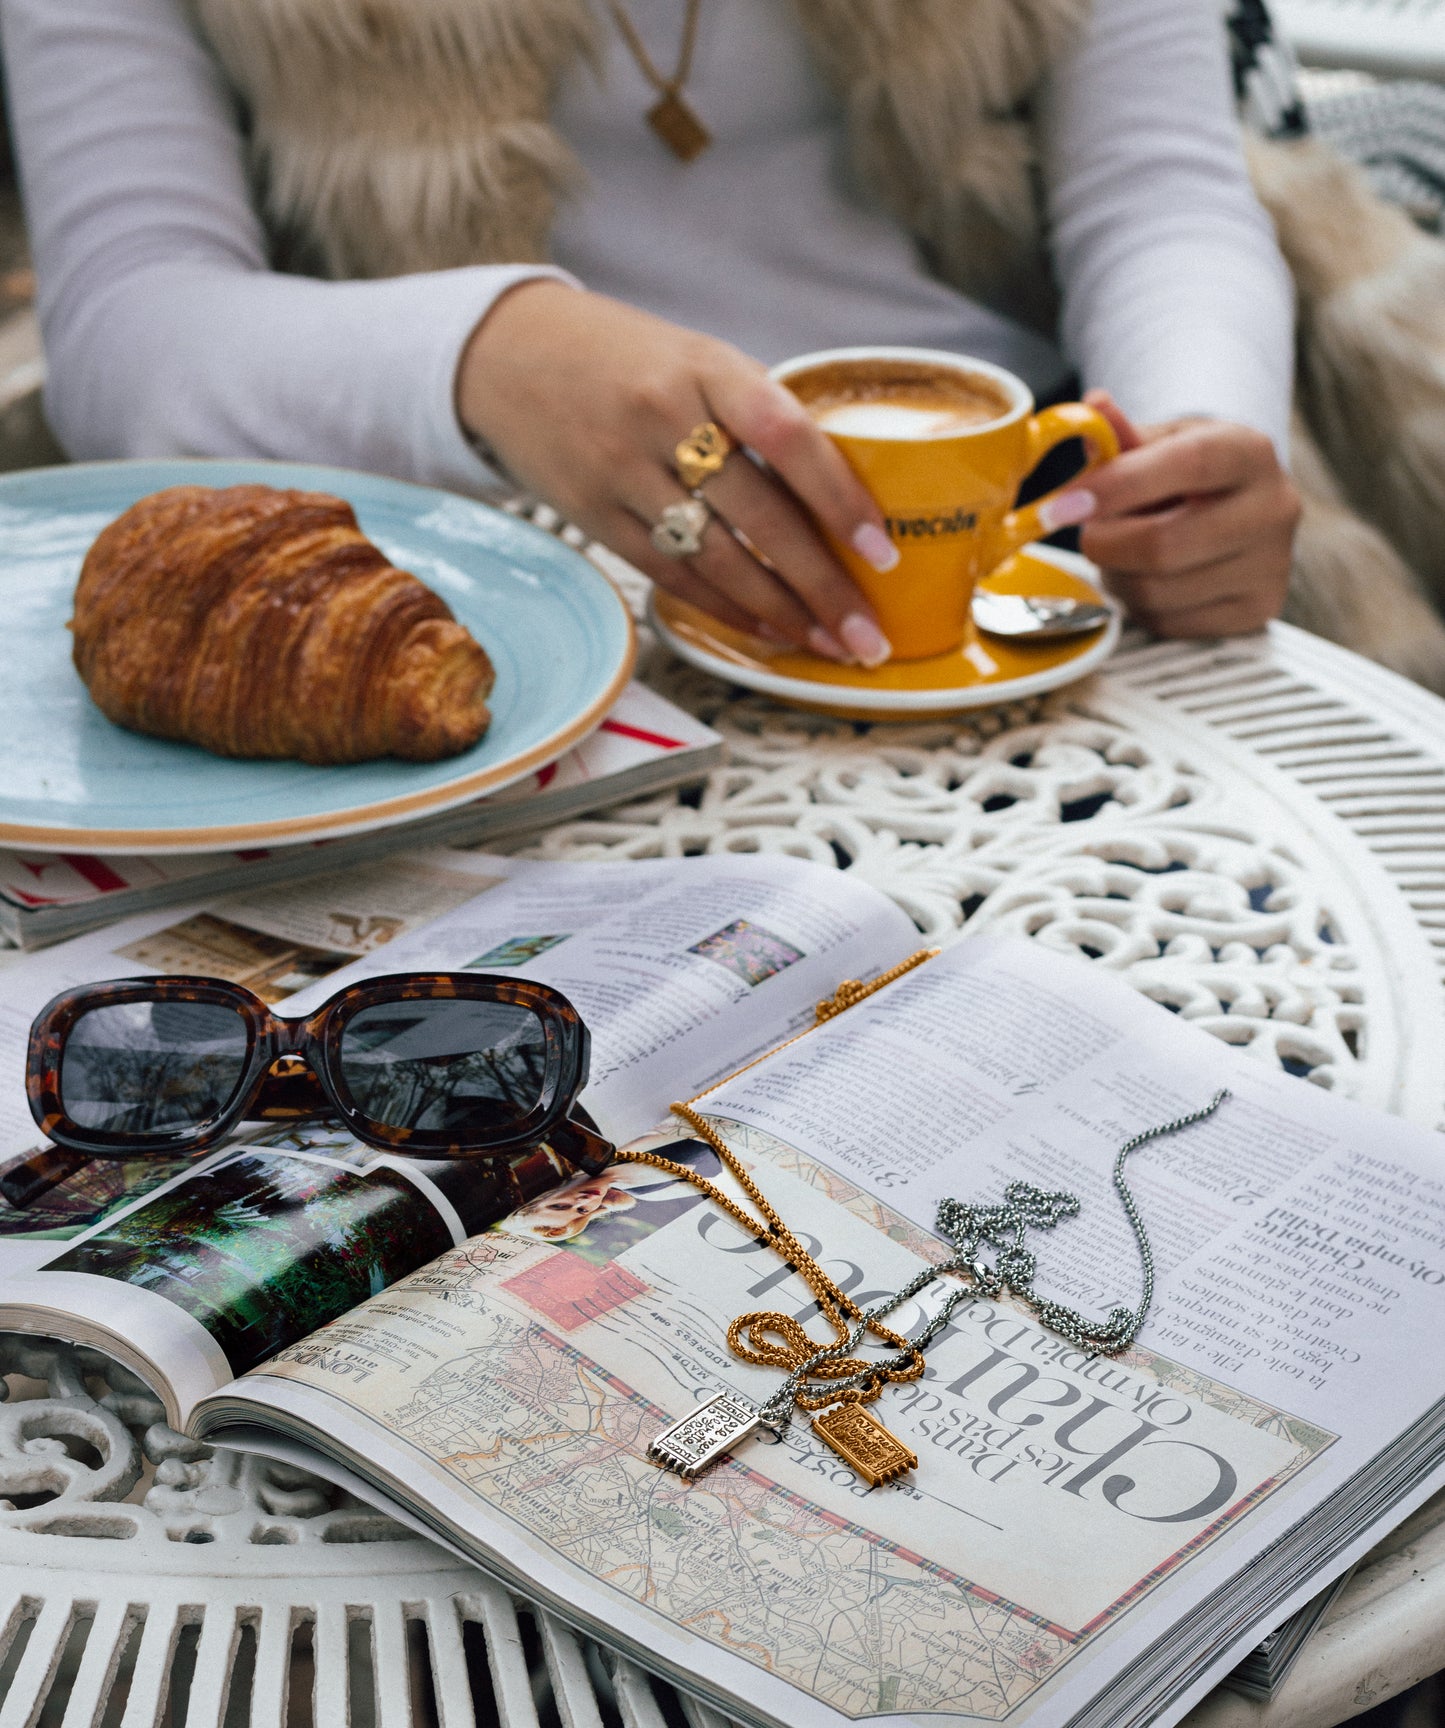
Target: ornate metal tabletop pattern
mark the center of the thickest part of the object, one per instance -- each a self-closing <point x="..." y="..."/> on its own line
<point x="1252" y="833"/>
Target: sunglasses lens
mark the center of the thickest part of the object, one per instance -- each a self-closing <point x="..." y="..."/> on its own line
<point x="140" y="1068"/>
<point x="447" y="1067"/>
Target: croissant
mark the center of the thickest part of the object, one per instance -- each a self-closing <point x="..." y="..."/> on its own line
<point x="260" y="622"/>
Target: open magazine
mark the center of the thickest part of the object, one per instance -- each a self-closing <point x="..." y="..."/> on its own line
<point x="1085" y="1540"/>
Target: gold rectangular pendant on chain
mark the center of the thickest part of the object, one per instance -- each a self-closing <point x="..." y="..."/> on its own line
<point x="863" y="1443"/>
<point x="678" y="126"/>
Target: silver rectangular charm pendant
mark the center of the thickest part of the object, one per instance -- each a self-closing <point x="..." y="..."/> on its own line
<point x="705" y="1434"/>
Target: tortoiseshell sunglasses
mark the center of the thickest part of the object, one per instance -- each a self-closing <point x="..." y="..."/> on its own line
<point x="436" y="1064"/>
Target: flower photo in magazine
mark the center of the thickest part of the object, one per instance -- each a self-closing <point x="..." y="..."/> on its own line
<point x="748" y="950"/>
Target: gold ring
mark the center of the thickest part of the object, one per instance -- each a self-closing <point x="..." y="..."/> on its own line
<point x="701" y="454"/>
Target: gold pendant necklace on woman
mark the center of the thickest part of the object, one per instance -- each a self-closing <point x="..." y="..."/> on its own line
<point x="672" y="117"/>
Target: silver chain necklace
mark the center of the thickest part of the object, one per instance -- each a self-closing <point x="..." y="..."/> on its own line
<point x="716" y="1426"/>
<point x="968" y="1228"/>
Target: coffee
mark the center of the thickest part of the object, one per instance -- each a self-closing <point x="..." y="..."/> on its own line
<point x="898" y="399"/>
<point x="941" y="442"/>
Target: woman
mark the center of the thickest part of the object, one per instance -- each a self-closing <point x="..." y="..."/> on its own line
<point x="863" y="176"/>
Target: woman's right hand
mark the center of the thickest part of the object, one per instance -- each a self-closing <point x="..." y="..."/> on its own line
<point x="585" y="399"/>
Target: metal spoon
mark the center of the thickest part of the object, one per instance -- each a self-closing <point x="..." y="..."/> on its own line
<point x="1041" y="617"/>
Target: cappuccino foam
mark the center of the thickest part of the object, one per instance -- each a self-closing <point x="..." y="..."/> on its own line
<point x="899" y="399"/>
<point x="897" y="420"/>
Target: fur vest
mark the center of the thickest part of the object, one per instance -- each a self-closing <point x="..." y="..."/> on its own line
<point x="400" y="135"/>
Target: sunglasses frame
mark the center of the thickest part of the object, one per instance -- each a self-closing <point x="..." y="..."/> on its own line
<point x="312" y="1080"/>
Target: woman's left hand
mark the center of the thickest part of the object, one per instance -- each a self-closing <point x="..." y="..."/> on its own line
<point x="1193" y="526"/>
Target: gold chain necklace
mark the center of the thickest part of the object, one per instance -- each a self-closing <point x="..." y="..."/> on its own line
<point x="777" y="1340"/>
<point x="845" y="1382"/>
<point x="672" y="117"/>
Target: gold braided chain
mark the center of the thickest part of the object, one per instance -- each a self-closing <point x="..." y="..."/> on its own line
<point x="648" y="67"/>
<point x="768" y="1337"/>
<point x="848" y="994"/>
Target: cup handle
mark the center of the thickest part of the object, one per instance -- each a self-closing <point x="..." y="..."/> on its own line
<point x="1046" y="430"/>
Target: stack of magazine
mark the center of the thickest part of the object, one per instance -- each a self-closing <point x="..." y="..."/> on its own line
<point x="645" y="744"/>
<point x="1085" y="1540"/>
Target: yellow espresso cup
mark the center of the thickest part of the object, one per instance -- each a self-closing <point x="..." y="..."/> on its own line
<point x="942" y="442"/>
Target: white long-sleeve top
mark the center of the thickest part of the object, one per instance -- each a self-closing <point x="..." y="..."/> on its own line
<point x="167" y="333"/>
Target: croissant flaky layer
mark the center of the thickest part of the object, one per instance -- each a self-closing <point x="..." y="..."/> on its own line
<point x="260" y="622"/>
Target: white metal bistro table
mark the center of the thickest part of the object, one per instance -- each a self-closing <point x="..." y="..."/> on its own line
<point x="1252" y="832"/>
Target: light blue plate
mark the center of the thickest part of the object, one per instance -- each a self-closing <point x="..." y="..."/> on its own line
<point x="556" y="631"/>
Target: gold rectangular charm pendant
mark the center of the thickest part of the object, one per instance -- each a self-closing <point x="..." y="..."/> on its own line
<point x="863" y="1443"/>
<point x="678" y="126"/>
<point x="704" y="1435"/>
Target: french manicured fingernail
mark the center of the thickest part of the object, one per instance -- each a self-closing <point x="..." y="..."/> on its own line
<point x="767" y="633"/>
<point x="862" y="637"/>
<point x="820" y="642"/>
<point x="870" y="542"/>
<point x="1068" y="510"/>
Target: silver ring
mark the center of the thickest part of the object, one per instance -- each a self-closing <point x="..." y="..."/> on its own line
<point x="679" y="529"/>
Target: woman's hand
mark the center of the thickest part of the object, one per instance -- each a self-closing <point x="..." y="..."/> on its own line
<point x="1193" y="524"/>
<point x="584" y="400"/>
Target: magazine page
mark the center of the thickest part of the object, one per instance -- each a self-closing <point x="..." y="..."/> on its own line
<point x="227" y="1262"/>
<point x="1069" y="1513"/>
<point x="208" y="1274"/>
<point x="684" y="969"/>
